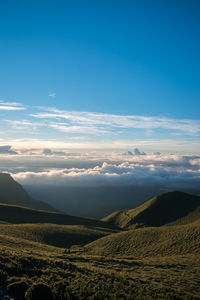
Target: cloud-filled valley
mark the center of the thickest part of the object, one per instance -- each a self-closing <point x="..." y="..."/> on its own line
<point x="94" y="185"/>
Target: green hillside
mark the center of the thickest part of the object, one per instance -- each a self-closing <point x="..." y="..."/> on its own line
<point x="145" y="242"/>
<point x="12" y="192"/>
<point x="168" y="208"/>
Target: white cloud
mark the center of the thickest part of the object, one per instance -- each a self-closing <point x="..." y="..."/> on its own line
<point x="153" y="170"/>
<point x="77" y="129"/>
<point x="11" y="106"/>
<point x="108" y="121"/>
<point x="25" y="124"/>
<point x="74" y="129"/>
<point x="52" y="95"/>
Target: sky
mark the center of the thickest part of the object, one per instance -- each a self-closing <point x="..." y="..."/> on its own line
<point x="100" y="75"/>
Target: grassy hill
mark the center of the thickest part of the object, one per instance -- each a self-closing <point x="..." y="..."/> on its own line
<point x="152" y="241"/>
<point x="168" y="208"/>
<point x="12" y="192"/>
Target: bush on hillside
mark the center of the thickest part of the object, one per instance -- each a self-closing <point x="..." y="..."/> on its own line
<point x="18" y="289"/>
<point x="39" y="292"/>
<point x="61" y="290"/>
<point x="3" y="276"/>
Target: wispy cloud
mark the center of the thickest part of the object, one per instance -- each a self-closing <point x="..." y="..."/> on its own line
<point x="109" y="121"/>
<point x="11" y="106"/>
<point x="79" y="129"/>
<point x="24" y="124"/>
<point x="52" y="95"/>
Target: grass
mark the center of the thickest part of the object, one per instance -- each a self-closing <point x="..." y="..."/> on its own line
<point x="53" y="234"/>
<point x="105" y="262"/>
<point x="81" y="275"/>
<point x="150" y="242"/>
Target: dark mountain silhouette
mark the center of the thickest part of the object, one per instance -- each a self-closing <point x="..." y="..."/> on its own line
<point x="12" y="192"/>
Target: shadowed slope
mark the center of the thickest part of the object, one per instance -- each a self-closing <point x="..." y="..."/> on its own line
<point x="171" y="207"/>
<point x="53" y="234"/>
<point x="22" y="215"/>
<point x="12" y="192"/>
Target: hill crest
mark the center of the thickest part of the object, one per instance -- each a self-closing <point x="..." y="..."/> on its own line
<point x="168" y="208"/>
<point x="22" y="215"/>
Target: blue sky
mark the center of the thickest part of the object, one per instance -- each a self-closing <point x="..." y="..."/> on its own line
<point x="135" y="59"/>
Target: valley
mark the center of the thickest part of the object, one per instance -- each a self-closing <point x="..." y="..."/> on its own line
<point x="123" y="256"/>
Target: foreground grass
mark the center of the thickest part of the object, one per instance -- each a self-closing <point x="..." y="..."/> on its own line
<point x="81" y="275"/>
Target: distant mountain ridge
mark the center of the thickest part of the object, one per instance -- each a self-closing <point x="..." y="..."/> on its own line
<point x="13" y="193"/>
<point x="168" y="208"/>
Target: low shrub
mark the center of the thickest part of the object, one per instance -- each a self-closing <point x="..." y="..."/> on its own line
<point x="18" y="289"/>
<point x="61" y="290"/>
<point x="39" y="292"/>
<point x="3" y="276"/>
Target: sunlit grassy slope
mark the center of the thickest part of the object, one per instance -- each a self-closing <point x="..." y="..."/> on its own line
<point x="151" y="241"/>
<point x="168" y="208"/>
<point x="13" y="193"/>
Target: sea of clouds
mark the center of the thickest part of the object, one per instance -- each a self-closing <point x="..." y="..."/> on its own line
<point x="94" y="184"/>
<point x="136" y="170"/>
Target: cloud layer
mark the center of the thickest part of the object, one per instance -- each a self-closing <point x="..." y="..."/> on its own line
<point x="137" y="171"/>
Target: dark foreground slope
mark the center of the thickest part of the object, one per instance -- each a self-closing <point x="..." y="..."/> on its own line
<point x="12" y="192"/>
<point x="168" y="208"/>
<point x="25" y="264"/>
